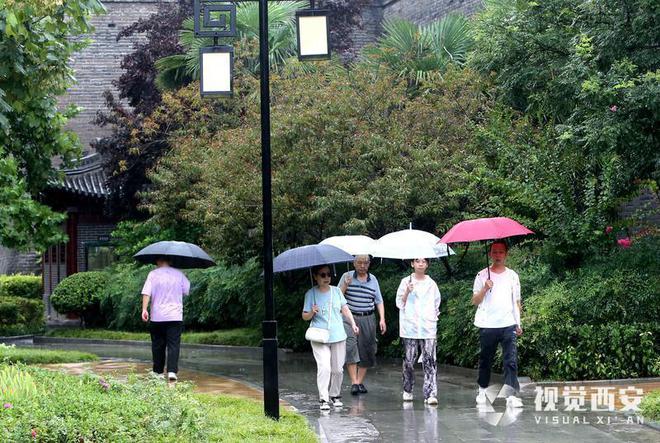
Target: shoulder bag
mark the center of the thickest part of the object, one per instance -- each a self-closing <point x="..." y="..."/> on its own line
<point x="320" y="335"/>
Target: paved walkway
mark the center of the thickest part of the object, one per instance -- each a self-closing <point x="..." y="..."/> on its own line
<point x="380" y="415"/>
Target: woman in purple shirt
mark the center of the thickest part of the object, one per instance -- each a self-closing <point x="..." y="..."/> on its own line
<point x="165" y="286"/>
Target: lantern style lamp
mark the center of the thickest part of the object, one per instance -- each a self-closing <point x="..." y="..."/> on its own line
<point x="216" y="19"/>
<point x="217" y="69"/>
<point x="313" y="36"/>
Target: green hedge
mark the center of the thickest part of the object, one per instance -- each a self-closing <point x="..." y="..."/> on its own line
<point x="80" y="294"/>
<point x="26" y="286"/>
<point x="19" y="316"/>
<point x="650" y="406"/>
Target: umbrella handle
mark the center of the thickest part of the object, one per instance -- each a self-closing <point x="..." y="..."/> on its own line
<point x="487" y="262"/>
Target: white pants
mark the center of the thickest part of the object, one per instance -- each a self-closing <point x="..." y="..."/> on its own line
<point x="329" y="367"/>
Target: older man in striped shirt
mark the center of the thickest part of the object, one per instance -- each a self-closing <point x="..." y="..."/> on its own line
<point x="363" y="297"/>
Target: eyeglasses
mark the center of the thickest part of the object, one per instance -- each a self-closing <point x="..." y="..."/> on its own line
<point x="324" y="274"/>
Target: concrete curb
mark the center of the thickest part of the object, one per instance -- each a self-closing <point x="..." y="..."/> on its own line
<point x="17" y="339"/>
<point x="616" y="381"/>
<point x="40" y="339"/>
<point x="652" y="424"/>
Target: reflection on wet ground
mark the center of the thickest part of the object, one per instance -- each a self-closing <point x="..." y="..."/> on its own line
<point x="380" y="415"/>
<point x="204" y="383"/>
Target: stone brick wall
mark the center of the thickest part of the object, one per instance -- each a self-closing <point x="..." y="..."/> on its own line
<point x="99" y="63"/>
<point x="417" y="11"/>
<point x="425" y="11"/>
<point x="372" y="18"/>
<point x="14" y="262"/>
<point x="645" y="208"/>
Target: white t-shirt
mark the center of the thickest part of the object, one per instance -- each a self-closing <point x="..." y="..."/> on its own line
<point x="497" y="310"/>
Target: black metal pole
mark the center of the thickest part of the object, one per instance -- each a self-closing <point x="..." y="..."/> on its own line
<point x="269" y="326"/>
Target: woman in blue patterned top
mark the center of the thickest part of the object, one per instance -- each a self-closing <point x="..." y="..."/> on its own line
<point x="324" y="306"/>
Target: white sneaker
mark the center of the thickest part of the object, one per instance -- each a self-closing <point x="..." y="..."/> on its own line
<point x="481" y="398"/>
<point x="513" y="402"/>
<point x="407" y="396"/>
<point x="171" y="376"/>
<point x="431" y="401"/>
<point x="324" y="406"/>
<point x="157" y="375"/>
<point x="336" y="402"/>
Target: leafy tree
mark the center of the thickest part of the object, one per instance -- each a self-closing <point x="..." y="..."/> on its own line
<point x="35" y="48"/>
<point x="421" y="53"/>
<point x="585" y="76"/>
<point x="356" y="156"/>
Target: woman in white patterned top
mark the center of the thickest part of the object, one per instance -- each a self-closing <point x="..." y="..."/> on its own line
<point x="418" y="300"/>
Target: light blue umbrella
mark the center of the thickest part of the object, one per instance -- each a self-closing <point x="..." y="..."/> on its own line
<point x="309" y="256"/>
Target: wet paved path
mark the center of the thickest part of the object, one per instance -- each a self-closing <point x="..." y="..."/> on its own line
<point x="380" y="415"/>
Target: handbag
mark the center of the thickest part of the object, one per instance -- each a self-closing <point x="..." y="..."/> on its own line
<point x="320" y="335"/>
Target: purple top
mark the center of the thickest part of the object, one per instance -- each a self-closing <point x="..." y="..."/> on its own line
<point x="166" y="286"/>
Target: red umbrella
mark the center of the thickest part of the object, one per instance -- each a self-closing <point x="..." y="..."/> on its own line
<point x="484" y="229"/>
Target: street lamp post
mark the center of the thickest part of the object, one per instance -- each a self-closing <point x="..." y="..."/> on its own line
<point x="219" y="19"/>
<point x="269" y="329"/>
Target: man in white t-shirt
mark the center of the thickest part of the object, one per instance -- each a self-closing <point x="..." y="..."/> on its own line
<point x="496" y="293"/>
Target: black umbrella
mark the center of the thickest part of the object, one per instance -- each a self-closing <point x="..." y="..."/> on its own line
<point x="309" y="256"/>
<point x="180" y="255"/>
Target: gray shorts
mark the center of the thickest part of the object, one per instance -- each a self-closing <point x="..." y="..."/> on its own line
<point x="362" y="349"/>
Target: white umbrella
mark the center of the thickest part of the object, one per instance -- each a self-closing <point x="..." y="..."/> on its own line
<point x="409" y="244"/>
<point x="353" y="244"/>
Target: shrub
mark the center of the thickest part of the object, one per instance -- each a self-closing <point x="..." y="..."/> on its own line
<point x="80" y="294"/>
<point x="121" y="302"/>
<point x="224" y="297"/>
<point x="19" y="316"/>
<point x="26" y="286"/>
<point x="221" y="297"/>
<point x="650" y="406"/>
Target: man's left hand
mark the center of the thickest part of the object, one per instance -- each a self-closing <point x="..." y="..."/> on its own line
<point x="383" y="327"/>
<point x="518" y="331"/>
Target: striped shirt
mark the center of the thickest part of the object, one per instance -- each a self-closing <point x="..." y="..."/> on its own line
<point x="362" y="296"/>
